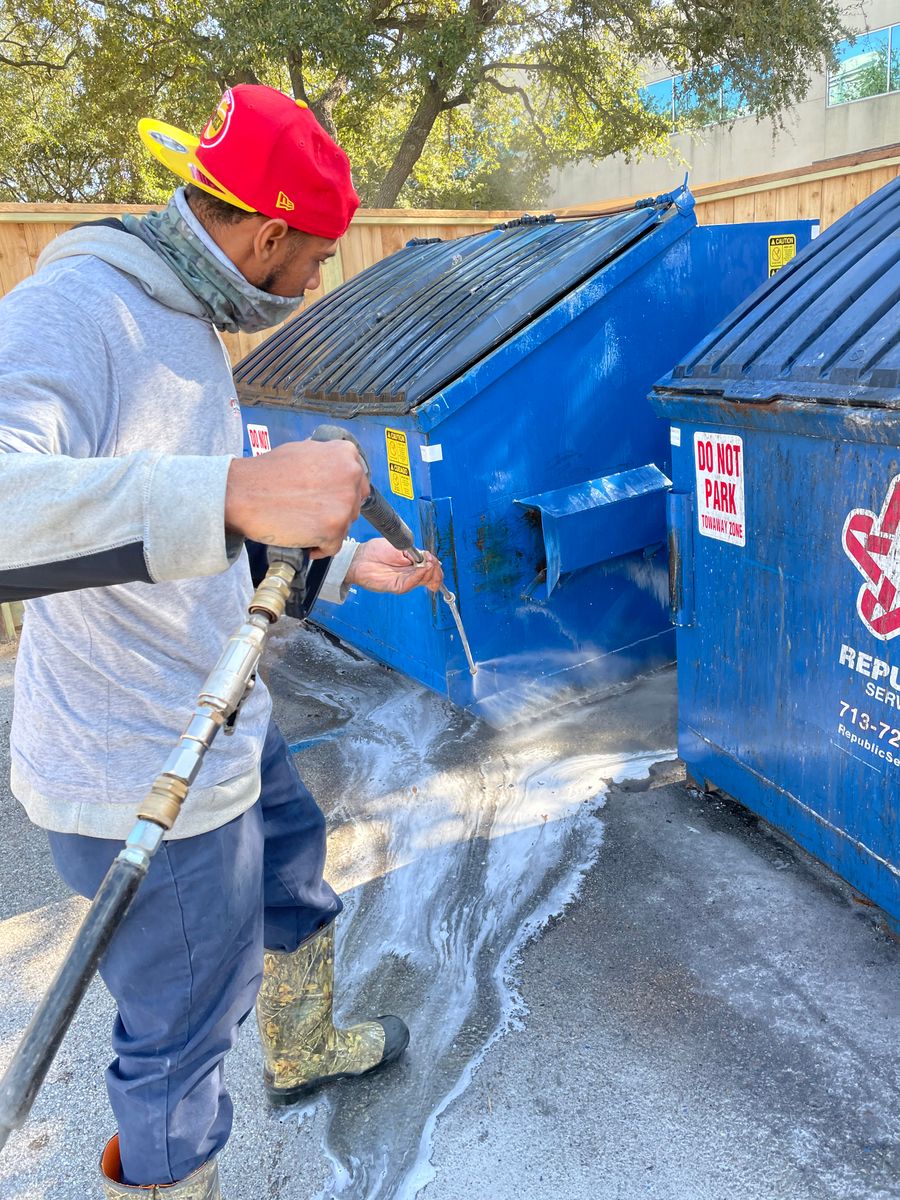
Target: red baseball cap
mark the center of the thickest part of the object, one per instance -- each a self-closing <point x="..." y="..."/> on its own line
<point x="263" y="152"/>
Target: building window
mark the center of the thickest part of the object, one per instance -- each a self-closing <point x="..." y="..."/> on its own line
<point x="676" y="99"/>
<point x="868" y="65"/>
<point x="660" y="98"/>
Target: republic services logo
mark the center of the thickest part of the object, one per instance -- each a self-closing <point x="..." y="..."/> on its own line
<point x="872" y="543"/>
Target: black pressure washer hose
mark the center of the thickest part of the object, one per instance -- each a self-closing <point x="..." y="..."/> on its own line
<point x="218" y="704"/>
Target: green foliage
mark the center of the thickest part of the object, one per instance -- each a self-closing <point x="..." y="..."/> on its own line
<point x="439" y="103"/>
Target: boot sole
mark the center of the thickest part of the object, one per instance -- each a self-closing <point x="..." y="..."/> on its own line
<point x="280" y="1097"/>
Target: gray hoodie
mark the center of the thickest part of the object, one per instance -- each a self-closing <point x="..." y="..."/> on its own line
<point x="119" y="418"/>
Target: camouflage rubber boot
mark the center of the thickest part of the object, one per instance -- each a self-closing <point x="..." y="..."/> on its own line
<point x="302" y="1049"/>
<point x="202" y="1184"/>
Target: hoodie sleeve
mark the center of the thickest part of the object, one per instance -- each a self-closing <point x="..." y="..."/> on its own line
<point x="72" y="519"/>
<point x="335" y="588"/>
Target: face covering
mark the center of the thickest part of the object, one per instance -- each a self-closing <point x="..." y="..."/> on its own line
<point x="230" y="301"/>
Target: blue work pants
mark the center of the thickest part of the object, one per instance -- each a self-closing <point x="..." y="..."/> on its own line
<point x="185" y="966"/>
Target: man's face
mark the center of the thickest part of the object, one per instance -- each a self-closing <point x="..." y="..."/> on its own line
<point x="273" y="257"/>
<point x="294" y="265"/>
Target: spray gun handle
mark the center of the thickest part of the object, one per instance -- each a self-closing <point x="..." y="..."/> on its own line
<point x="375" y="508"/>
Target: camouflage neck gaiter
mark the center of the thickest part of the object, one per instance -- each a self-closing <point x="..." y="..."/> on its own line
<point x="230" y="301"/>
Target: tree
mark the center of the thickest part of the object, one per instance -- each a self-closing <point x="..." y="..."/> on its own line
<point x="437" y="101"/>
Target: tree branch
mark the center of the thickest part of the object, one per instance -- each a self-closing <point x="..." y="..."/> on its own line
<point x="295" y="71"/>
<point x="456" y="102"/>
<point x="512" y="89"/>
<point x="323" y="107"/>
<point x="399" y="24"/>
<point x="520" y="66"/>
<point x="36" y="62"/>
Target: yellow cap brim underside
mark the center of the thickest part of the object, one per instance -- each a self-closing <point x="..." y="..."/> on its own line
<point x="177" y="150"/>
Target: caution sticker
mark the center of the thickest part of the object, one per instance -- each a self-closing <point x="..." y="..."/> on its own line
<point x="399" y="473"/>
<point x="782" y="248"/>
<point x="258" y="437"/>
<point x="719" y="460"/>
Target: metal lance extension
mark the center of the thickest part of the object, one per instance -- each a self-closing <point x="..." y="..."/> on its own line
<point x="382" y="517"/>
<point x="450" y="600"/>
<point x="417" y="557"/>
<point x="218" y="702"/>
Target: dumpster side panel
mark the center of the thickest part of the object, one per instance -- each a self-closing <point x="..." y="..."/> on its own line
<point x="414" y="625"/>
<point x="788" y="699"/>
<point x="574" y="408"/>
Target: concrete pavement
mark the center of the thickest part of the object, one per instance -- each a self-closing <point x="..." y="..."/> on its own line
<point x="616" y="989"/>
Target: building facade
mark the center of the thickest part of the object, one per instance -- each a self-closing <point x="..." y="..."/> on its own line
<point x="855" y="107"/>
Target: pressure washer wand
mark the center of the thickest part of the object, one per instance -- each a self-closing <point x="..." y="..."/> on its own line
<point x="218" y="704"/>
<point x="450" y="601"/>
<point x="398" y="533"/>
<point x="394" y="529"/>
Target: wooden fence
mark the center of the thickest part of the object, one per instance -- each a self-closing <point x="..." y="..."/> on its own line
<point x="822" y="192"/>
<point x="25" y="229"/>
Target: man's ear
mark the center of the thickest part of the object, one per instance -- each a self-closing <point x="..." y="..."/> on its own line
<point x="270" y="238"/>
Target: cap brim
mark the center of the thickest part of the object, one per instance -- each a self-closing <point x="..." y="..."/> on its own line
<point x="177" y="150"/>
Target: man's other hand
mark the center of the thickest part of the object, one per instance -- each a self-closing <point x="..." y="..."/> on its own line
<point x="303" y="494"/>
<point x="378" y="567"/>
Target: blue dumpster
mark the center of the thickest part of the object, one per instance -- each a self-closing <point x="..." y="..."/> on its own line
<point x="785" y="550"/>
<point x="498" y="384"/>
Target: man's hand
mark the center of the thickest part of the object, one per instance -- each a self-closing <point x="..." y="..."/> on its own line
<point x="378" y="567"/>
<point x="305" y="494"/>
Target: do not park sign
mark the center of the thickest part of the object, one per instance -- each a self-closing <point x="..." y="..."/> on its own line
<point x="719" y="462"/>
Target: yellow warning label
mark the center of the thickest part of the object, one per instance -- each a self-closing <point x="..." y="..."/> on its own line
<point x="398" y="463"/>
<point x="782" y="248"/>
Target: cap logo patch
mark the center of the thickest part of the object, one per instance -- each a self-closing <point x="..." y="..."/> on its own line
<point x="218" y="123"/>
<point x="285" y="202"/>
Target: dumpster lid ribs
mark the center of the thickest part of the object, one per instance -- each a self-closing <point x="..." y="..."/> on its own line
<point x="394" y="335"/>
<point x="824" y="329"/>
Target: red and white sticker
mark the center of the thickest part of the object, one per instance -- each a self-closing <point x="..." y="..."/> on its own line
<point x="872" y="542"/>
<point x="258" y="437"/>
<point x="719" y="462"/>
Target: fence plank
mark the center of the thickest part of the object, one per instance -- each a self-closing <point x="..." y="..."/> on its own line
<point x="832" y="200"/>
<point x="745" y="208"/>
<point x="787" y="203"/>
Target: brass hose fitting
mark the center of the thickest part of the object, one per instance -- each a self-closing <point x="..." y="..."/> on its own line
<point x="164" y="801"/>
<point x="272" y="595"/>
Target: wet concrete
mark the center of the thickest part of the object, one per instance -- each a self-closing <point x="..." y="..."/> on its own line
<point x="724" y="1022"/>
<point x="613" y="991"/>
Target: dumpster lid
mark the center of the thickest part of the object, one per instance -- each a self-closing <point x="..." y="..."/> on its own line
<point x="825" y="329"/>
<point x="394" y="335"/>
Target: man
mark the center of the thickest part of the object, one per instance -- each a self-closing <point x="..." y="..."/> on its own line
<point x="122" y="435"/>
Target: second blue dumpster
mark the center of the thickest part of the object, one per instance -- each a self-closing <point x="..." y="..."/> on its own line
<point x="498" y="385"/>
<point x="785" y="536"/>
